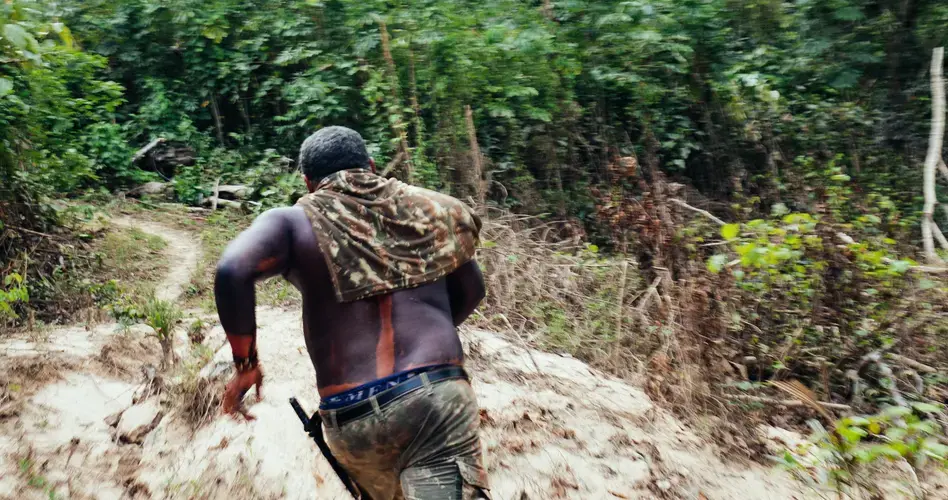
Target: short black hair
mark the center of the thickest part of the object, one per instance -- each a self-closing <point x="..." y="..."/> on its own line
<point x="330" y="150"/>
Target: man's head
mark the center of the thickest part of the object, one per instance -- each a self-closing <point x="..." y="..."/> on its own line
<point x="330" y="150"/>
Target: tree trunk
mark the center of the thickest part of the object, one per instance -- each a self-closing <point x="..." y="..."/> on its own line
<point x="933" y="157"/>
<point x="418" y="124"/>
<point x="244" y="113"/>
<point x="398" y="124"/>
<point x="476" y="163"/>
<point x="548" y="9"/>
<point x="218" y="123"/>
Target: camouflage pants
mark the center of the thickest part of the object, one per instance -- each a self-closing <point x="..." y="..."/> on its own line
<point x="423" y="446"/>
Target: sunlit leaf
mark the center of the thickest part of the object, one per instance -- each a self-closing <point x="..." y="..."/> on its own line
<point x="716" y="263"/>
<point x="6" y="86"/>
<point x="18" y="36"/>
<point x="730" y="231"/>
<point x="927" y="407"/>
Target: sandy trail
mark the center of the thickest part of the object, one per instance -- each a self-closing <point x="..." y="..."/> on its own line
<point x="183" y="252"/>
<point x="552" y="426"/>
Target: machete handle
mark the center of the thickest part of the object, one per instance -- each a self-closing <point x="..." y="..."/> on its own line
<point x="300" y="413"/>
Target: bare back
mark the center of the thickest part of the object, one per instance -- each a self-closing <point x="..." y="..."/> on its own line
<point x="348" y="343"/>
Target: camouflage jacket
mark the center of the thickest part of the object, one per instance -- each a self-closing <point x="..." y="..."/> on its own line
<point x="379" y="235"/>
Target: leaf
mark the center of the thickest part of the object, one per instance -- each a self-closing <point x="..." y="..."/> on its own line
<point x="716" y="263"/>
<point x="18" y="36"/>
<point x="896" y="411"/>
<point x="926" y="407"/>
<point x="64" y="34"/>
<point x="730" y="231"/>
<point x="6" y="86"/>
<point x="860" y="421"/>
<point x="849" y="13"/>
<point x="935" y="449"/>
<point x="885" y="451"/>
<point x="840" y="178"/>
<point x="900" y="266"/>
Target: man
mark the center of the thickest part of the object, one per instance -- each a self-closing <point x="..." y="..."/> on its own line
<point x="386" y="272"/>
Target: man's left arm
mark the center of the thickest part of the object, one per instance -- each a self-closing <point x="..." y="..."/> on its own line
<point x="465" y="290"/>
<point x="258" y="253"/>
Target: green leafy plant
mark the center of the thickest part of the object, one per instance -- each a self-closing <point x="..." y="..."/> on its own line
<point x="15" y="291"/>
<point x="162" y="316"/>
<point x="846" y="458"/>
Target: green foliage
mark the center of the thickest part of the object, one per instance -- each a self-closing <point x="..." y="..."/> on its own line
<point x="13" y="291"/>
<point x="846" y="458"/>
<point x="161" y="316"/>
<point x="728" y="91"/>
<point x="35" y="480"/>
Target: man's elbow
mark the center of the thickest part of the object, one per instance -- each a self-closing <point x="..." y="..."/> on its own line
<point x="228" y="274"/>
<point x="478" y="292"/>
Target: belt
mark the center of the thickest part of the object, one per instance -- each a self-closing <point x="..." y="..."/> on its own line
<point x="341" y="416"/>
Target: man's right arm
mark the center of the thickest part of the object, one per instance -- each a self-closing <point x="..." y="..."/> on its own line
<point x="466" y="290"/>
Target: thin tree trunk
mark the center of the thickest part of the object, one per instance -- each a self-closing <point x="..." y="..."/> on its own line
<point x="419" y="130"/>
<point x="548" y="9"/>
<point x="398" y="124"/>
<point x="476" y="162"/>
<point x="934" y="153"/>
<point x="218" y="124"/>
<point x="244" y="113"/>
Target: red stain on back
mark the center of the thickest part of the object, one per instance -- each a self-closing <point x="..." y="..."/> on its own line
<point x="385" y="349"/>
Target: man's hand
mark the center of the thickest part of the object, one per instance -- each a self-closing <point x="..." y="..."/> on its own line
<point x="233" y="402"/>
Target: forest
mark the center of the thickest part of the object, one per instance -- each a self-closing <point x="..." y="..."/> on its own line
<point x="725" y="197"/>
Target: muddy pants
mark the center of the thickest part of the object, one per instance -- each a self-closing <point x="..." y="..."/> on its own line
<point x="422" y="446"/>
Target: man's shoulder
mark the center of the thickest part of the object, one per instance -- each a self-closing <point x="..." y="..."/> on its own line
<point x="282" y="214"/>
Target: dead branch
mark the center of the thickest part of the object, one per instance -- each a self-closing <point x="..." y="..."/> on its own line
<point x="36" y="233"/>
<point x="788" y="402"/>
<point x="400" y="157"/>
<point x="523" y="342"/>
<point x="698" y="210"/>
<point x="939" y="236"/>
<point x="148" y="147"/>
<point x="845" y="238"/>
<point x="619" y="315"/>
<point x="652" y="290"/>
<point x="911" y="363"/>
<point x="886" y="372"/>
<point x="933" y="157"/>
<point x="217" y="194"/>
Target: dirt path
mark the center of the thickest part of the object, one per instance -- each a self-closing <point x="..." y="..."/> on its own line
<point x="183" y="252"/>
<point x="552" y="426"/>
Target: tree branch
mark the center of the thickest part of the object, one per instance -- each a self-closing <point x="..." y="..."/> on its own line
<point x="148" y="147"/>
<point x="911" y="363"/>
<point x="788" y="402"/>
<point x="698" y="210"/>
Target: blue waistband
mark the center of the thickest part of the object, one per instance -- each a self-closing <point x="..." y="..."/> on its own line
<point x="369" y="389"/>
